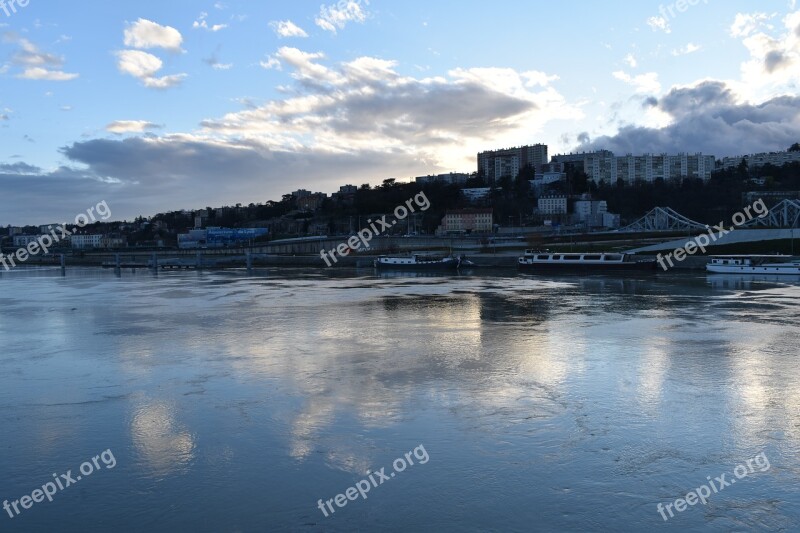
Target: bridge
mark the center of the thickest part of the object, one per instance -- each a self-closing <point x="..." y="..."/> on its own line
<point x="662" y="219"/>
<point x="784" y="215"/>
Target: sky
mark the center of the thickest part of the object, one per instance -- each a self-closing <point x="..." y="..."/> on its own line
<point x="157" y="106"/>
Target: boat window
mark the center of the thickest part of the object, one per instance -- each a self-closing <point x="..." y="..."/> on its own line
<point x="613" y="257"/>
<point x="572" y="258"/>
<point x="592" y="257"/>
<point x="543" y="257"/>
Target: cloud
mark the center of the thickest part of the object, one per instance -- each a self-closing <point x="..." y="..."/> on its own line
<point x="36" y="64"/>
<point x="643" y="83"/>
<point x="355" y="121"/>
<point x="690" y="48"/>
<point x="271" y="63"/>
<point x="138" y="64"/>
<point x="145" y="34"/>
<point x="534" y="78"/>
<point x="630" y="59"/>
<point x="659" y="24"/>
<point x="202" y="23"/>
<point x="336" y="16"/>
<point x="287" y="28"/>
<point x="131" y="126"/>
<point x="774" y="63"/>
<point x="708" y="117"/>
<point x="746" y="23"/>
<point x="38" y="73"/>
<point x="366" y="105"/>
<point x="145" y="66"/>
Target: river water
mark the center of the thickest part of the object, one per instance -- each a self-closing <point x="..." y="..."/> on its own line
<point x="235" y="403"/>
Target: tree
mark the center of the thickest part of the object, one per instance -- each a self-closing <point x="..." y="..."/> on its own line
<point x="795" y="147"/>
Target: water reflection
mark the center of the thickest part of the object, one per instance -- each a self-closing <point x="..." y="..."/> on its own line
<point x="163" y="444"/>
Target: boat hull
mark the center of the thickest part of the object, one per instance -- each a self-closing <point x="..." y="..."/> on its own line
<point x="451" y="264"/>
<point x="780" y="270"/>
<point x="638" y="266"/>
<point x="645" y="266"/>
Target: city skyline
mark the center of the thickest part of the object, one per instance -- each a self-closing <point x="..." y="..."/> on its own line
<point x="156" y="108"/>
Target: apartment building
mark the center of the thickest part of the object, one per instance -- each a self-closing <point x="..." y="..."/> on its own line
<point x="496" y="164"/>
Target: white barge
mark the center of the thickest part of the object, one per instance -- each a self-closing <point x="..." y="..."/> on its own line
<point x="754" y="264"/>
<point x="601" y="262"/>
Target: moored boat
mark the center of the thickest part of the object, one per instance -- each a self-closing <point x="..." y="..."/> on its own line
<point x="754" y="264"/>
<point x="417" y="262"/>
<point x="583" y="262"/>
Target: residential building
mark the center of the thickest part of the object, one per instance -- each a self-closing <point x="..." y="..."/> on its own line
<point x="453" y="178"/>
<point x="219" y="237"/>
<point x="496" y="164"/>
<point x="113" y="242"/>
<point x="590" y="212"/>
<point x="21" y="241"/>
<point x="85" y="242"/>
<point x="47" y="228"/>
<point x="311" y="202"/>
<point x="754" y="161"/>
<point x="553" y="205"/>
<point x="346" y="195"/>
<point x="467" y="221"/>
<point x="604" y="166"/>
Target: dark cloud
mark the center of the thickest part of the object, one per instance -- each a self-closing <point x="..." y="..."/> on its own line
<point x="708" y="119"/>
<point x="775" y="60"/>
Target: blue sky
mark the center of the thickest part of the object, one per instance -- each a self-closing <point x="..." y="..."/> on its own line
<point x="156" y="106"/>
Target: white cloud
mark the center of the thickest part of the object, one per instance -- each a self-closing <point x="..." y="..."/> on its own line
<point x="630" y="59"/>
<point x="659" y="24"/>
<point x="365" y="105"/>
<point x="690" y="48"/>
<point x="643" y="83"/>
<point x="146" y="34"/>
<point x="35" y="63"/>
<point x="746" y="23"/>
<point x="287" y="28"/>
<point x="774" y="64"/>
<point x="202" y="23"/>
<point x="138" y="64"/>
<point x="38" y="73"/>
<point x="336" y="16"/>
<point x="164" y="82"/>
<point x="536" y="78"/>
<point x="131" y="126"/>
<point x="271" y="63"/>
<point x="145" y="66"/>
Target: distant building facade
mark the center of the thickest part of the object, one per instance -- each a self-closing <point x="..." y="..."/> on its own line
<point x="21" y="241"/>
<point x="496" y="164"/>
<point x="219" y="237"/>
<point x="605" y="166"/>
<point x="464" y="221"/>
<point x="453" y="178"/>
<point x="753" y="161"/>
<point x="590" y="212"/>
<point x="553" y="205"/>
<point x="85" y="242"/>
